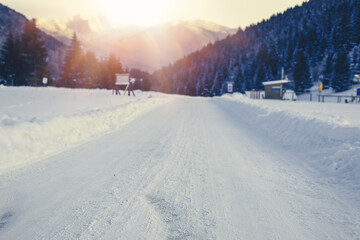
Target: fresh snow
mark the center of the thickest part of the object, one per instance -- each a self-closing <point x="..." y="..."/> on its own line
<point x="37" y="122"/>
<point x="326" y="134"/>
<point x="85" y="164"/>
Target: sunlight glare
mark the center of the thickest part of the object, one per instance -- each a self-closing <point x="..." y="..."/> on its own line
<point x="135" y="12"/>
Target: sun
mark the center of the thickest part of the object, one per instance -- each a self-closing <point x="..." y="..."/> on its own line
<point x="136" y="12"/>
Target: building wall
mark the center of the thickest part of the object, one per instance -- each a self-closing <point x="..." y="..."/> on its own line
<point x="270" y="94"/>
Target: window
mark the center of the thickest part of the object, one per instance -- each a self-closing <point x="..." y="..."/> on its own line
<point x="275" y="89"/>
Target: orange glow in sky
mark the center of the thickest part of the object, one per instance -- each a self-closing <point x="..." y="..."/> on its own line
<point x="232" y="13"/>
<point x="135" y="12"/>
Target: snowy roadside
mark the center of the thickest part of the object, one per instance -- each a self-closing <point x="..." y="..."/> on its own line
<point x="38" y="122"/>
<point x="326" y="135"/>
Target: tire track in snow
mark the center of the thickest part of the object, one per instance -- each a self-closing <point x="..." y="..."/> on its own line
<point x="179" y="194"/>
<point x="5" y="218"/>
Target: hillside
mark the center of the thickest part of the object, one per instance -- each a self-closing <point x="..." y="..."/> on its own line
<point x="10" y="19"/>
<point x="148" y="48"/>
<point x="316" y="41"/>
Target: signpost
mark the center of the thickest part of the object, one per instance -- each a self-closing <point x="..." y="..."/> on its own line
<point x="45" y="81"/>
<point x="123" y="79"/>
<point x="230" y="87"/>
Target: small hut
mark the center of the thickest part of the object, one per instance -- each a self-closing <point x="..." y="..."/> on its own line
<point x="275" y="89"/>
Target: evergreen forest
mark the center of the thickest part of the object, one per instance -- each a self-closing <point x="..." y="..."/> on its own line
<point x="318" y="41"/>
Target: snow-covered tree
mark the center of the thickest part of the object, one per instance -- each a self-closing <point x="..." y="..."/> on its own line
<point x="34" y="55"/>
<point x="73" y="69"/>
<point x="341" y="73"/>
<point x="114" y="66"/>
<point x="11" y="61"/>
<point x="326" y="72"/>
<point x="302" y="78"/>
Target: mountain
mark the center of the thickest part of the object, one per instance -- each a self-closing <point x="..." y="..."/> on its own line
<point x="147" y="48"/>
<point x="87" y="28"/>
<point x="10" y="19"/>
<point x="317" y="41"/>
<point x="164" y="44"/>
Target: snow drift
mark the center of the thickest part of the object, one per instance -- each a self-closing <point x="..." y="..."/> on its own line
<point x="327" y="136"/>
<point x="38" y="122"/>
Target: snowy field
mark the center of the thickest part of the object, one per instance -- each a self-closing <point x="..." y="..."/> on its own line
<point x="84" y="164"/>
<point x="38" y="122"/>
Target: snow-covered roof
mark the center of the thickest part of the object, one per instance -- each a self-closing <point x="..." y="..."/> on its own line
<point x="276" y="82"/>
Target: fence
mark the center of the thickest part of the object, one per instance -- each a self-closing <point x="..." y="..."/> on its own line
<point x="337" y="98"/>
<point x="254" y="94"/>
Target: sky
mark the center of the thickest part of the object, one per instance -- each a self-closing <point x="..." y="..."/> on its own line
<point x="231" y="13"/>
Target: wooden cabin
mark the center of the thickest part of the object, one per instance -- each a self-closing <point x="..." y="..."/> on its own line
<point x="275" y="89"/>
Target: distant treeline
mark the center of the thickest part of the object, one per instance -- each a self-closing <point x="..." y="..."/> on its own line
<point x="23" y="62"/>
<point x="86" y="71"/>
<point x="319" y="41"/>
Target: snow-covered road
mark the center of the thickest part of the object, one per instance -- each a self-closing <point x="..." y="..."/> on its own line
<point x="190" y="169"/>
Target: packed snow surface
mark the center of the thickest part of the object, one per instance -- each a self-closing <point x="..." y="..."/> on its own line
<point x="170" y="167"/>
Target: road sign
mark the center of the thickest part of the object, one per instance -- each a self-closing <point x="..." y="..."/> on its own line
<point x="230" y="87"/>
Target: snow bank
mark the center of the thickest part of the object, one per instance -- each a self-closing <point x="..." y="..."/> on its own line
<point x="38" y="122"/>
<point x="327" y="135"/>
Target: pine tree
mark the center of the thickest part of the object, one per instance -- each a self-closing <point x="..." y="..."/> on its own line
<point x="356" y="69"/>
<point x="238" y="78"/>
<point x="103" y="74"/>
<point x="326" y="72"/>
<point x="35" y="54"/>
<point x="356" y="23"/>
<point x="114" y="66"/>
<point x="260" y="77"/>
<point x="73" y="69"/>
<point x="354" y="62"/>
<point x="91" y="77"/>
<point x="274" y="62"/>
<point x="215" y="88"/>
<point x="301" y="76"/>
<point x="11" y="61"/>
<point x="341" y="72"/>
<point x="342" y="29"/>
<point x="290" y="54"/>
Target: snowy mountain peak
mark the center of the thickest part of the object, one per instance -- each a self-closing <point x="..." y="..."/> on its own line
<point x="148" y="48"/>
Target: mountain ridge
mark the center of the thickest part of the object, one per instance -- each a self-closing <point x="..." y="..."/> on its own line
<point x="11" y="19"/>
<point x="136" y="46"/>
